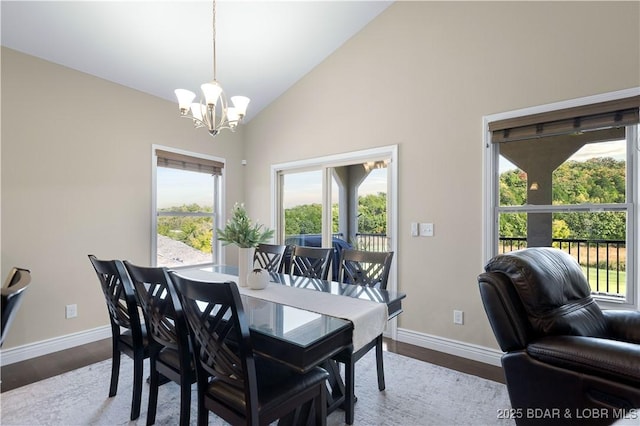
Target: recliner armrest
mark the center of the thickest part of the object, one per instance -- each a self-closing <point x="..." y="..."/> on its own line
<point x="623" y="325"/>
<point x="605" y="358"/>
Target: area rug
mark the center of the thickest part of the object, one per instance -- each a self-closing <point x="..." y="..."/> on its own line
<point x="417" y="393"/>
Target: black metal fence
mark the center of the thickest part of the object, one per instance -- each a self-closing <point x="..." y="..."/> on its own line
<point x="604" y="261"/>
<point x="372" y="242"/>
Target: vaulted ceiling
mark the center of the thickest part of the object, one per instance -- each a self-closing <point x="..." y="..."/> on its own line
<point x="263" y="47"/>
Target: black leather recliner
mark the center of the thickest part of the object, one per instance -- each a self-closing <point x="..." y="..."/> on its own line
<point x="566" y="361"/>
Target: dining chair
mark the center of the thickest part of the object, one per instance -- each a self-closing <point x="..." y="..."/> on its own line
<point x="123" y="314"/>
<point x="13" y="291"/>
<point x="312" y="262"/>
<point x="168" y="333"/>
<point x="367" y="269"/>
<point x="269" y="257"/>
<point x="233" y="383"/>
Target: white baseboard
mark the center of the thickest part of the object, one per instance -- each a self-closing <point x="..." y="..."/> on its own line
<point x="441" y="344"/>
<point x="44" y="347"/>
<point x="452" y="347"/>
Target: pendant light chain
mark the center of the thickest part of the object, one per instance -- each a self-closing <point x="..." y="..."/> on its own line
<point x="214" y="41"/>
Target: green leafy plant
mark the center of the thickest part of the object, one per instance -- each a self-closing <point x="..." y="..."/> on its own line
<point x="240" y="231"/>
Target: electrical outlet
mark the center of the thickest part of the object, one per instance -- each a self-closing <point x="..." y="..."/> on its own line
<point x="71" y="311"/>
<point x="458" y="317"/>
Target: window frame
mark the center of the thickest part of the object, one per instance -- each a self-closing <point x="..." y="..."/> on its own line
<point x="491" y="195"/>
<point x="218" y="203"/>
<point x="325" y="164"/>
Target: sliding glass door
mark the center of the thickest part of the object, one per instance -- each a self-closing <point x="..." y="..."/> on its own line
<point x="343" y="201"/>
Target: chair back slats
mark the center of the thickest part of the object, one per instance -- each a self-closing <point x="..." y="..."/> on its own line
<point x="151" y="286"/>
<point x="312" y="262"/>
<point x="365" y="268"/>
<point x="118" y="292"/>
<point x="221" y="336"/>
<point x="269" y="257"/>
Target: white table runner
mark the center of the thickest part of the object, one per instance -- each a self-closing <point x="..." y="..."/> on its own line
<point x="369" y="318"/>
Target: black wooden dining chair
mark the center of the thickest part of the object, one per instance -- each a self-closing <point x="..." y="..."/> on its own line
<point x="123" y="314"/>
<point x="269" y="257"/>
<point x="12" y="293"/>
<point x="168" y="332"/>
<point x="233" y="383"/>
<point x="368" y="269"/>
<point x="312" y="262"/>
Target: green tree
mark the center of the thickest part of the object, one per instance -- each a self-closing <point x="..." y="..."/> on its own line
<point x="307" y="218"/>
<point x="372" y="213"/>
<point x="195" y="231"/>
<point x="303" y="219"/>
<point x="513" y="225"/>
<point x="597" y="180"/>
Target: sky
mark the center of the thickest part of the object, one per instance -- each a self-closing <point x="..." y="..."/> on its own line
<point x="177" y="187"/>
<point x="614" y="149"/>
<point x="306" y="187"/>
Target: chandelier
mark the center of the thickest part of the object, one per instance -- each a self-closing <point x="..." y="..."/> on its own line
<point x="213" y="111"/>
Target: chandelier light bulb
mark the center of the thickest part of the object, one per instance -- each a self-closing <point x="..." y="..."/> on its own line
<point x="213" y="111"/>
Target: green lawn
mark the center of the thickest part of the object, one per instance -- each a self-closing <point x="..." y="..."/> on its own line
<point x="593" y="274"/>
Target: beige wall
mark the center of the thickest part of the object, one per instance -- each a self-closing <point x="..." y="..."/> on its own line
<point x="76" y="179"/>
<point x="422" y="76"/>
<point x="76" y="149"/>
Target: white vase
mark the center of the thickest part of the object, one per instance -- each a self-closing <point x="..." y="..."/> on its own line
<point x="258" y="279"/>
<point x="245" y="264"/>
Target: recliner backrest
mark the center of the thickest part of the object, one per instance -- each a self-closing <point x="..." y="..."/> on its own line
<point x="553" y="290"/>
<point x="507" y="317"/>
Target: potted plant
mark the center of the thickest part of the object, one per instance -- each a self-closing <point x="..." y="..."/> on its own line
<point x="240" y="231"/>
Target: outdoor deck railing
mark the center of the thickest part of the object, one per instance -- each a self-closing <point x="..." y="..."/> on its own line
<point x="372" y="242"/>
<point x="604" y="261"/>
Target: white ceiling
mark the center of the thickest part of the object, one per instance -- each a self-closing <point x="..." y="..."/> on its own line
<point x="263" y="47"/>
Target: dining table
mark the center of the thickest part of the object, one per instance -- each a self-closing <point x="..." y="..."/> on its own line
<point x="306" y="322"/>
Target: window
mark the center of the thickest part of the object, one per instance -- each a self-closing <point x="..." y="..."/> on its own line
<point x="568" y="178"/>
<point x="343" y="200"/>
<point x="186" y="208"/>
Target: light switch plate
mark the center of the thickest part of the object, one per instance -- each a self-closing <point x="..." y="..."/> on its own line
<point x="414" y="229"/>
<point x="426" y="229"/>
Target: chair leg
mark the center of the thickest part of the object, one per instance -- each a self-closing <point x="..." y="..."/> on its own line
<point x="321" y="406"/>
<point x="137" y="385"/>
<point x="349" y="397"/>
<point x="185" y="401"/>
<point x="153" y="393"/>
<point x="379" y="363"/>
<point x="203" y="412"/>
<point x="115" y="370"/>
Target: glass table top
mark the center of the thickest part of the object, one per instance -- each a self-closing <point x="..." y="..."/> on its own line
<point x="287" y="323"/>
<point x="333" y="287"/>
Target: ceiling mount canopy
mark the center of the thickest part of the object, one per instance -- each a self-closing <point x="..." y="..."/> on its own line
<point x="213" y="111"/>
